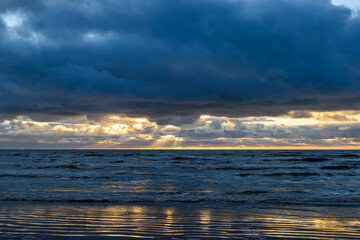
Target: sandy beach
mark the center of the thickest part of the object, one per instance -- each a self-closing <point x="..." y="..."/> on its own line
<point x="27" y="220"/>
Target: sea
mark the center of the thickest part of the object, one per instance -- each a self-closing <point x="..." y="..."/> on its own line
<point x="179" y="194"/>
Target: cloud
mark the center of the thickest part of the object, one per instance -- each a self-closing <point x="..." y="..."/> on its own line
<point x="355" y="5"/>
<point x="165" y="59"/>
<point x="115" y="131"/>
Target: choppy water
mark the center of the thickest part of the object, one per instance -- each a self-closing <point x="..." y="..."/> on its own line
<point x="285" y="177"/>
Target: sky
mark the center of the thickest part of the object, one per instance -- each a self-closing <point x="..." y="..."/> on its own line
<point x="353" y="4"/>
<point x="241" y="74"/>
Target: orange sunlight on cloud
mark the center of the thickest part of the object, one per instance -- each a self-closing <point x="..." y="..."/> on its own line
<point x="295" y="130"/>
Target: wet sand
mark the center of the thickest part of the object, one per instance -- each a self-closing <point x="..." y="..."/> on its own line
<point x="41" y="220"/>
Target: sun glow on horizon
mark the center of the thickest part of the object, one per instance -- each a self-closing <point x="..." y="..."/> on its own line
<point x="294" y="130"/>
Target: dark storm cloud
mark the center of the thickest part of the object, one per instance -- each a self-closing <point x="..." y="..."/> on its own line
<point x="161" y="58"/>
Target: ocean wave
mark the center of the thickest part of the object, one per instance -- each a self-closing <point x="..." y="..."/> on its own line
<point x="307" y="159"/>
<point x="56" y="176"/>
<point x="248" y="197"/>
<point x="337" y="167"/>
<point x="349" y="155"/>
<point x="180" y="176"/>
<point x="294" y="174"/>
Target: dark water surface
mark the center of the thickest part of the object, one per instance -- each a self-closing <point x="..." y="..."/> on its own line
<point x="179" y="194"/>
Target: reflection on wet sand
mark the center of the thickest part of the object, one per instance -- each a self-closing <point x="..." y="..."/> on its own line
<point x="145" y="221"/>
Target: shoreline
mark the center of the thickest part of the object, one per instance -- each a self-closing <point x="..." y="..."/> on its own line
<point x="52" y="221"/>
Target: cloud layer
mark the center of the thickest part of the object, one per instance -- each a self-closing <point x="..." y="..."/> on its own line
<point x="294" y="130"/>
<point x="163" y="59"/>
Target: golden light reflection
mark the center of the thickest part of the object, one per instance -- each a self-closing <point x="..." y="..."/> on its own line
<point x="295" y="225"/>
<point x="205" y="216"/>
<point x="328" y="224"/>
<point x="138" y="210"/>
<point x="169" y="219"/>
<point x="143" y="221"/>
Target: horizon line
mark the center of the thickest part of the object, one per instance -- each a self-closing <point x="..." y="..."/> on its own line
<point x="202" y="149"/>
